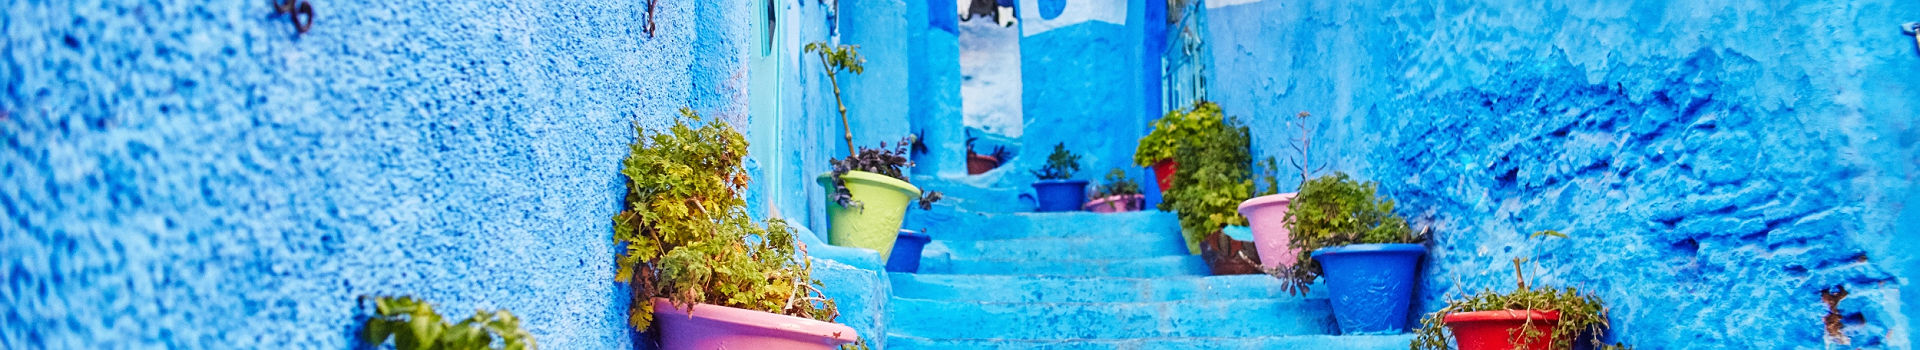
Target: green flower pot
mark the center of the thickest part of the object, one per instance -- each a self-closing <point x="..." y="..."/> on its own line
<point x="877" y="224"/>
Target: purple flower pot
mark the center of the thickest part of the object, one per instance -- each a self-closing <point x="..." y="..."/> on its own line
<point x="1267" y="215"/>
<point x="1115" y="204"/>
<point x="720" y="327"/>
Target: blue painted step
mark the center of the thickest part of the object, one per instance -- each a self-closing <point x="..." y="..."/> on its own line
<point x="1166" y="266"/>
<point x="1108" y="320"/>
<point x="1084" y="248"/>
<point x="1076" y="289"/>
<point x="949" y="224"/>
<point x="1329" y="342"/>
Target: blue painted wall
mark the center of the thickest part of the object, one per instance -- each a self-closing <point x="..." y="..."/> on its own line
<point x="1720" y="163"/>
<point x="1082" y="85"/>
<point x="192" y="174"/>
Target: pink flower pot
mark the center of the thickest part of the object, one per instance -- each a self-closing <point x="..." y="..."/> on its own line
<point x="720" y="327"/>
<point x="1115" y="204"/>
<point x="1267" y="216"/>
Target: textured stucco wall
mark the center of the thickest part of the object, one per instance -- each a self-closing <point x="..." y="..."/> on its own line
<point x="1081" y="85"/>
<point x="1720" y="163"/>
<point x="191" y="174"/>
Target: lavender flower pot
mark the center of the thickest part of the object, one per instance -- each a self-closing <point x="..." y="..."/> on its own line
<point x="720" y="327"/>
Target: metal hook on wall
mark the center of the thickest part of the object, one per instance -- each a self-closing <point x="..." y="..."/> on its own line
<point x="295" y="9"/>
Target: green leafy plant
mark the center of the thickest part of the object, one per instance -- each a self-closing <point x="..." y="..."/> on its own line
<point x="412" y="324"/>
<point x="1177" y="128"/>
<point x="1061" y="164"/>
<point x="1117" y="184"/>
<point x="1216" y="172"/>
<point x="884" y="160"/>
<point x="1581" y="315"/>
<point x="1334" y="210"/>
<point x="685" y="234"/>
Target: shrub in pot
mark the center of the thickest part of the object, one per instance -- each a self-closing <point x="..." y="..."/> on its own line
<point x="413" y="325"/>
<point x="1267" y="215"/>
<point x="1057" y="190"/>
<point x="1343" y="231"/>
<point x="1118" y="194"/>
<point x="978" y="163"/>
<point x="1216" y="175"/>
<point x="1528" y="318"/>
<point x="1170" y="132"/>
<point x="703" y="273"/>
<point x="868" y="191"/>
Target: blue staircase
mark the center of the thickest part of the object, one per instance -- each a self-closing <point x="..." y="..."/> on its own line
<point x="1016" y="280"/>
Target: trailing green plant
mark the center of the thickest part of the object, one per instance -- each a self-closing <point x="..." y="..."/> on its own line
<point x="1061" y="164"/>
<point x="884" y="161"/>
<point x="1117" y="184"/>
<point x="684" y="233"/>
<point x="836" y="59"/>
<point x="1335" y="210"/>
<point x="412" y="324"/>
<point x="1216" y="174"/>
<point x="1582" y="316"/>
<point x="1177" y="128"/>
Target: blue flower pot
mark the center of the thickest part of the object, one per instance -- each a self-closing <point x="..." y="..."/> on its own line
<point x="1060" y="195"/>
<point x="1370" y="285"/>
<point x="906" y="252"/>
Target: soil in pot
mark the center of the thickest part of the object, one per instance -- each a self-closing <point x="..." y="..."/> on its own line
<point x="720" y="327"/>
<point x="1370" y="285"/>
<point x="877" y="224"/>
<point x="1495" y="330"/>
<point x="1267" y="215"/>
<point x="1116" y="204"/>
<point x="1060" y="195"/>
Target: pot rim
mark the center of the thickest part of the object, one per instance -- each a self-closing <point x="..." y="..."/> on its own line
<point x="1371" y="248"/>
<point x="871" y="179"/>
<point x="983" y="156"/>
<point x="1271" y="199"/>
<point x="1058" y="182"/>
<point x="765" y="321"/>
<point x="1116" y="198"/>
<point x="1502" y="315"/>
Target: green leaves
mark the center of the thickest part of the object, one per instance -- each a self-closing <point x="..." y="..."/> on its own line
<point x="842" y="58"/>
<point x="1215" y="169"/>
<point x="686" y="236"/>
<point x="1175" y="129"/>
<point x="1117" y="184"/>
<point x="1582" y="316"/>
<point x="1334" y="210"/>
<point x="1061" y="164"/>
<point x="412" y="324"/>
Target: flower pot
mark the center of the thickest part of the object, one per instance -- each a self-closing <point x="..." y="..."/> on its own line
<point x="1222" y="254"/>
<point x="1163" y="173"/>
<point x="720" y="327"/>
<point x="906" y="251"/>
<point x="1370" y="285"/>
<point x="1060" y="195"/>
<point x="884" y="200"/>
<point x="1494" y="330"/>
<point x="980" y="164"/>
<point x="1115" y="204"/>
<point x="1267" y="215"/>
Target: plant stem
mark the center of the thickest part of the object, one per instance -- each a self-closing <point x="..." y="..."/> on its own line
<point x="1517" y="277"/>
<point x="832" y="78"/>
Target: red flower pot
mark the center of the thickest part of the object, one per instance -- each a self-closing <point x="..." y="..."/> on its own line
<point x="1163" y="173"/>
<point x="978" y="164"/>
<point x="1494" y="330"/>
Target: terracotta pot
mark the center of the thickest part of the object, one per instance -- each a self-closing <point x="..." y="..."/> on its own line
<point x="1222" y="254"/>
<point x="1490" y="330"/>
<point x="1267" y="216"/>
<point x="1116" y="204"/>
<point x="1163" y="173"/>
<point x="980" y="164"/>
<point x="720" y="327"/>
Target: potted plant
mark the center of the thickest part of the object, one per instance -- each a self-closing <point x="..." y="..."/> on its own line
<point x="1216" y="175"/>
<point x="1119" y="194"/>
<point x="1528" y="318"/>
<point x="978" y="163"/>
<point x="869" y="190"/>
<point x="412" y="324"/>
<point x="702" y="272"/>
<point x="1341" y="230"/>
<point x="1169" y="133"/>
<point x="1267" y="215"/>
<point x="906" y="251"/>
<point x="1057" y="190"/>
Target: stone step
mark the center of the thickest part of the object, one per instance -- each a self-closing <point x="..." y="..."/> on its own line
<point x="1090" y="248"/>
<point x="947" y="223"/>
<point x="1342" y="342"/>
<point x="1074" y="289"/>
<point x="1170" y="319"/>
<point x="1165" y="266"/>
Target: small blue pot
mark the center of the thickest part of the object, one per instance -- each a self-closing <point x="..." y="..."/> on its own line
<point x="1370" y="285"/>
<point x="1060" y="195"/>
<point x="906" y="252"/>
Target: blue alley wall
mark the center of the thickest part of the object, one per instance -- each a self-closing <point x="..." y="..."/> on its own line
<point x="1083" y="85"/>
<point x="192" y="174"/>
<point x="1719" y="163"/>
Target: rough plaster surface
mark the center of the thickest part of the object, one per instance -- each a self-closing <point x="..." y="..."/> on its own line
<point x="1719" y="163"/>
<point x="192" y="174"/>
